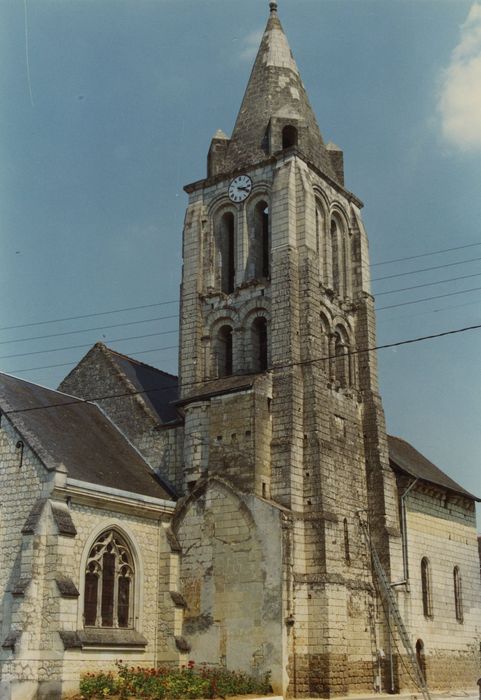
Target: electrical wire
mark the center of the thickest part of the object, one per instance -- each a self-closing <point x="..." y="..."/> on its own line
<point x="84" y="345"/>
<point x="168" y="332"/>
<point x="438" y="296"/>
<point x="148" y="335"/>
<point x="98" y="313"/>
<point x="69" y="364"/>
<point x="88" y="330"/>
<point x="425" y="269"/>
<point x="427" y="284"/>
<point x="301" y="363"/>
<point x="424" y="255"/>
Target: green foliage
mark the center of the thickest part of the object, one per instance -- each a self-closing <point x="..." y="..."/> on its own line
<point x="98" y="685"/>
<point x="189" y="682"/>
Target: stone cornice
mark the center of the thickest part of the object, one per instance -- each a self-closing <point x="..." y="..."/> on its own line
<point x="83" y="493"/>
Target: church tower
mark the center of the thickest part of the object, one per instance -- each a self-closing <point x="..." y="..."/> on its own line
<point x="279" y="391"/>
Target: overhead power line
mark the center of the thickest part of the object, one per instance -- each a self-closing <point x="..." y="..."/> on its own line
<point x="428" y="284"/>
<point x="425" y="269"/>
<point x="438" y="296"/>
<point x="424" y="255"/>
<point x="88" y="330"/>
<point x="168" y="332"/>
<point x="69" y="364"/>
<point x="84" y="345"/>
<point x="301" y="363"/>
<point x="98" y="313"/>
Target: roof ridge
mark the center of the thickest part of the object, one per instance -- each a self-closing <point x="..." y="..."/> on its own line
<point x="138" y="362"/>
<point x="42" y="386"/>
<point x="136" y="395"/>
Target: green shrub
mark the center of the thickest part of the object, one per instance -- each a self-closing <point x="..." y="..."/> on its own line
<point x="98" y="685"/>
<point x="188" y="682"/>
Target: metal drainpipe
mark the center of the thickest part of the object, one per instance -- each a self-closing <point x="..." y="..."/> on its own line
<point x="404" y="536"/>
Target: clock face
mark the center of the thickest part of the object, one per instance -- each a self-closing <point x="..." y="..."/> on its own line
<point x="240" y="188"/>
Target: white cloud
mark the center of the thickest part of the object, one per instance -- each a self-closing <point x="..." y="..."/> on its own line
<point x="250" y="45"/>
<point x="460" y="97"/>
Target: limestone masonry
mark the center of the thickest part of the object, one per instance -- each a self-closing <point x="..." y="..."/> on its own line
<point x="247" y="512"/>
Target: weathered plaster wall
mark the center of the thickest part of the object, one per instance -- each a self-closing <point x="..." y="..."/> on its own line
<point x="231" y="578"/>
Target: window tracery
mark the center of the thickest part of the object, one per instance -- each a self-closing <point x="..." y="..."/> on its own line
<point x="109" y="583"/>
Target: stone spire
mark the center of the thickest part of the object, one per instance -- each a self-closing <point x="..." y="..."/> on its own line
<point x="275" y="98"/>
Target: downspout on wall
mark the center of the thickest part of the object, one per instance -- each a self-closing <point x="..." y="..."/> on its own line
<point x="404" y="538"/>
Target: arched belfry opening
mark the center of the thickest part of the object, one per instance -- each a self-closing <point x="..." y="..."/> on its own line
<point x="259" y="344"/>
<point x="261" y="240"/>
<point x="225" y="243"/>
<point x="289" y="136"/>
<point x="224" y="351"/>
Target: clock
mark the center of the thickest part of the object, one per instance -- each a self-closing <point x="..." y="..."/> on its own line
<point x="240" y="188"/>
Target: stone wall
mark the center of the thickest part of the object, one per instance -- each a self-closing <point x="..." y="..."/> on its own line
<point x="441" y="526"/>
<point x="45" y="534"/>
<point x="97" y="376"/>
<point x="231" y="578"/>
<point x="154" y="609"/>
<point x="23" y="480"/>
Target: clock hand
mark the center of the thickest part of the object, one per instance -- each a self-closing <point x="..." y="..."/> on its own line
<point x="246" y="189"/>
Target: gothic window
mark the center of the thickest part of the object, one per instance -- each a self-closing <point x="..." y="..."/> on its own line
<point x="260" y="242"/>
<point x="225" y="243"/>
<point x="224" y="351"/>
<point x="259" y="344"/>
<point x="289" y="136"/>
<point x="426" y="587"/>
<point x="458" y="594"/>
<point x="109" y="583"/>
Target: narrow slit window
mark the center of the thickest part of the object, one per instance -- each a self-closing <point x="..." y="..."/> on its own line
<point x="347" y="553"/>
<point x="458" y="594"/>
<point x="426" y="587"/>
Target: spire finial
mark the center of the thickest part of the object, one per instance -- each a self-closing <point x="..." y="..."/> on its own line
<point x="273" y="6"/>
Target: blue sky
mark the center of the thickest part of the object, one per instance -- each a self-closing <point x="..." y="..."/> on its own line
<point x="125" y="97"/>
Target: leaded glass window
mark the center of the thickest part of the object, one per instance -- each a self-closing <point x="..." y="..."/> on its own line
<point x="109" y="583"/>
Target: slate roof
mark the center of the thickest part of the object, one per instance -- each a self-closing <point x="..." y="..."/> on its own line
<point x="406" y="458"/>
<point x="63" y="430"/>
<point x="159" y="389"/>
